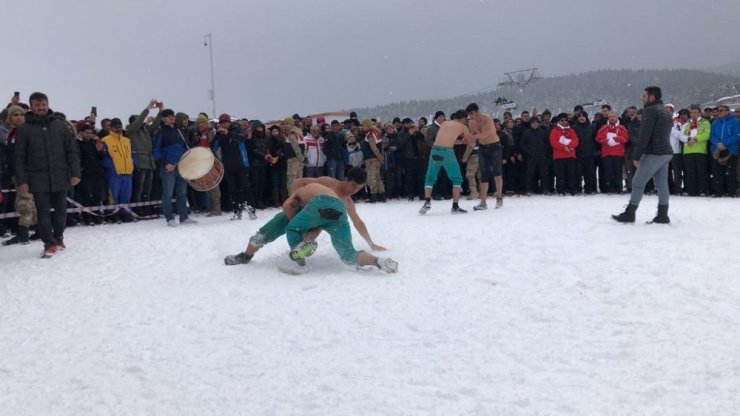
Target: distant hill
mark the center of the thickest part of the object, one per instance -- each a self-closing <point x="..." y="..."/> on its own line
<point x="620" y="88"/>
<point x="731" y="69"/>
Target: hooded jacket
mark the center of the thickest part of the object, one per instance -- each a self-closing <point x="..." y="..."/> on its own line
<point x="233" y="148"/>
<point x="586" y="144"/>
<point x="141" y="139"/>
<point x="257" y="145"/>
<point x="46" y="154"/>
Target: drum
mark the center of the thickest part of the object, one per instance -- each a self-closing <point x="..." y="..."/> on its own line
<point x="201" y="169"/>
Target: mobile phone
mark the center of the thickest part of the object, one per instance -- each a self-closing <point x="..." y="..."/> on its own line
<point x="16" y="94"/>
<point x="94" y="111"/>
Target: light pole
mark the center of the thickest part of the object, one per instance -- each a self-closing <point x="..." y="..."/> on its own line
<point x="208" y="41"/>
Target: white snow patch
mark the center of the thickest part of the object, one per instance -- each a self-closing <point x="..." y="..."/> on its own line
<point x="546" y="307"/>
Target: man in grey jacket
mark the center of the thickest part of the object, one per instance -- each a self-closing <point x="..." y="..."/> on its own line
<point x="651" y="156"/>
<point x="140" y="135"/>
<point x="47" y="161"/>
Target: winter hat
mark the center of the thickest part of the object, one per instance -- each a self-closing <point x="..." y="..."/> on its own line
<point x="561" y="116"/>
<point x="224" y="118"/>
<point x="13" y="109"/>
<point x="407" y="120"/>
<point x="367" y="122"/>
<point x="396" y="120"/>
<point x="289" y="121"/>
<point x="167" y="112"/>
<point x="81" y="124"/>
<point x="116" y="122"/>
<point x="673" y="107"/>
<point x="352" y="115"/>
<point x="202" y="118"/>
<point x="320" y="119"/>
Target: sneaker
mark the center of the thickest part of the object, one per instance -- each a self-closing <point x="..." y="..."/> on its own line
<point x="425" y="208"/>
<point x="294" y="267"/>
<point x="303" y="250"/>
<point x="387" y="265"/>
<point x="458" y="210"/>
<point x="188" y="221"/>
<point x="499" y="203"/>
<point x="172" y="223"/>
<point x="59" y="243"/>
<point x="251" y="212"/>
<point x="480" y="207"/>
<point x="241" y="258"/>
<point x="49" y="251"/>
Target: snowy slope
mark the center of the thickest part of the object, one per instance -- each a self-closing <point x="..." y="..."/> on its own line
<point x="546" y="307"/>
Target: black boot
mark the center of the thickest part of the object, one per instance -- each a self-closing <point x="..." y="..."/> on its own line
<point x="662" y="217"/>
<point x="382" y="198"/>
<point x="373" y="198"/>
<point x="21" y="237"/>
<point x="628" y="215"/>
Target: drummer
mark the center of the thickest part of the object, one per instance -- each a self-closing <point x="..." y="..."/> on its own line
<point x="169" y="146"/>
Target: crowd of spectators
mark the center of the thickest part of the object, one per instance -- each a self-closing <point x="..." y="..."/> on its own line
<point x="571" y="153"/>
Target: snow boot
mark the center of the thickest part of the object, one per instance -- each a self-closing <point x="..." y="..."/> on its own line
<point x="373" y="198"/>
<point x="382" y="197"/>
<point x="628" y="215"/>
<point x="662" y="217"/>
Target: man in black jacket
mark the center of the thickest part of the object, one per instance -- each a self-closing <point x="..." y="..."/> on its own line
<point x="334" y="151"/>
<point x="535" y="142"/>
<point x="586" y="151"/>
<point x="651" y="155"/>
<point x="231" y="141"/>
<point x="47" y="161"/>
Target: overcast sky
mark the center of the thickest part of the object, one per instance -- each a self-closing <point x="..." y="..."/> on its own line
<point x="273" y="58"/>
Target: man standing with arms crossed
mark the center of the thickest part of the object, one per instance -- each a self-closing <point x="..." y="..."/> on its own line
<point x="47" y="161"/>
<point x="489" y="155"/>
<point x="443" y="155"/>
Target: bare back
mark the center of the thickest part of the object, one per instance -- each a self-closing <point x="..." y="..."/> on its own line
<point x="305" y="193"/>
<point x="448" y="133"/>
<point x="482" y="127"/>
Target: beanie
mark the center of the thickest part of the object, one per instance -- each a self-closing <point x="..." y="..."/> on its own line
<point x="202" y="118"/>
<point x="224" y="118"/>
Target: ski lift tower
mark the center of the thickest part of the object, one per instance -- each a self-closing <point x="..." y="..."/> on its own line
<point x="520" y="78"/>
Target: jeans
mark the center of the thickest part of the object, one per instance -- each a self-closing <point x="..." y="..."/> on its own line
<point x="655" y="167"/>
<point x="172" y="183"/>
<point x="335" y="169"/>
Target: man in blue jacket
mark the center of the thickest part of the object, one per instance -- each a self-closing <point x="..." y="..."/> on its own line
<point x="724" y="142"/>
<point x="169" y="146"/>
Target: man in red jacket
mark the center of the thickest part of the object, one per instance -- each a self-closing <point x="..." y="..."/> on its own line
<point x="564" y="141"/>
<point x="612" y="136"/>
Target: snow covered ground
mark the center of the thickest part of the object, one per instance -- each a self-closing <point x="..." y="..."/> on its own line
<point x="546" y="307"/>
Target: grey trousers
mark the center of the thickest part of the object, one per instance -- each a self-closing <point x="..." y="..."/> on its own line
<point x="655" y="167"/>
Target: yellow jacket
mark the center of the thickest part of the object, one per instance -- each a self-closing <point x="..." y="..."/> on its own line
<point x="118" y="151"/>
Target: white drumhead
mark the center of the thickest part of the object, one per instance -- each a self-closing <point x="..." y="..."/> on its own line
<point x="195" y="163"/>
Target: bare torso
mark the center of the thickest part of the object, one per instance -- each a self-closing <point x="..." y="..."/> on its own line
<point x="449" y="132"/>
<point x="305" y="193"/>
<point x="482" y="127"/>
